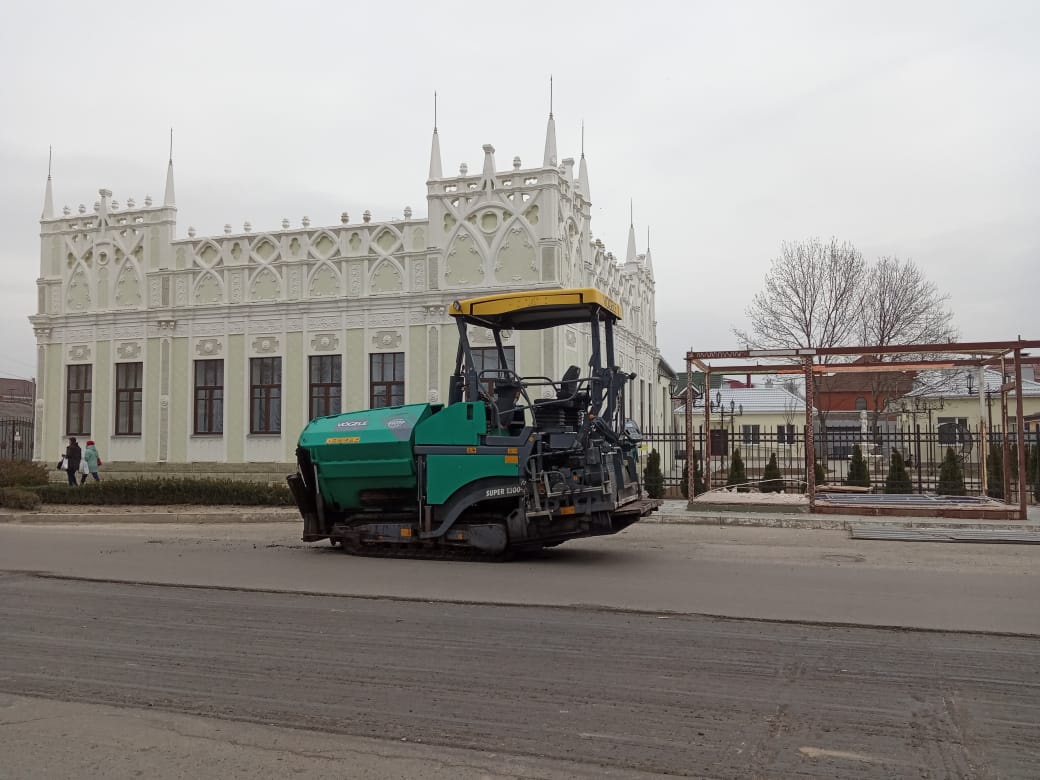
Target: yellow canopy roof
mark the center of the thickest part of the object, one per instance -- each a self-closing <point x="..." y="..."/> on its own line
<point x="534" y="310"/>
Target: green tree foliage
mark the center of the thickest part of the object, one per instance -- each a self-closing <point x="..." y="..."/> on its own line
<point x="772" y="479"/>
<point x="737" y="472"/>
<point x="951" y="475"/>
<point x="995" y="472"/>
<point x="898" y="481"/>
<point x="859" y="472"/>
<point x="653" y="478"/>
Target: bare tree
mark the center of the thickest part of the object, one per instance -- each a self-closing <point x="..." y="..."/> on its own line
<point x="820" y="294"/>
<point x="810" y="298"/>
<point x="900" y="306"/>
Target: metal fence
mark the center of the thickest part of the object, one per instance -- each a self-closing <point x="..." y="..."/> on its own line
<point x="923" y="452"/>
<point x="16" y="438"/>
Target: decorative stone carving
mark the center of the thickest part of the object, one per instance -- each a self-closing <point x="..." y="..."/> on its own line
<point x="433" y="397"/>
<point x="207" y="328"/>
<point x="79" y="353"/>
<point x="208" y="347"/>
<point x="325" y="342"/>
<point x="386" y="339"/>
<point x="127" y="331"/>
<point x="167" y="324"/>
<point x="128" y="350"/>
<point x="180" y="295"/>
<point x="236" y="326"/>
<point x="572" y="339"/>
<point x="81" y="334"/>
<point x="265" y="345"/>
<point x="355" y="282"/>
<point x="265" y="326"/>
<point x="324" y="323"/>
<point x="294" y="324"/>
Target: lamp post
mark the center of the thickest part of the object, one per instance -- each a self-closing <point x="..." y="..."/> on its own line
<point x="734" y="410"/>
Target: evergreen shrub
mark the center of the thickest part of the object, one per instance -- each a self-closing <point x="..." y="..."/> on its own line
<point x="772" y="479"/>
<point x="951" y="475"/>
<point x="653" y="478"/>
<point x="737" y="472"/>
<point x="22" y="473"/>
<point x="995" y="473"/>
<point x="18" y="498"/>
<point x="898" y="481"/>
<point x="161" y="492"/>
<point x="859" y="472"/>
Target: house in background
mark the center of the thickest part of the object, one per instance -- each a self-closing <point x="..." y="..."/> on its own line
<point x="948" y="402"/>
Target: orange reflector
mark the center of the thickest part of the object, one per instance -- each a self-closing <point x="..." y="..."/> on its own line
<point x="512" y="459"/>
<point x="511" y="451"/>
<point x="406" y="532"/>
<point x="471" y="450"/>
<point x="567" y="510"/>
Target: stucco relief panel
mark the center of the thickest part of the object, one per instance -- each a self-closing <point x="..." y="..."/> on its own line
<point x="79" y="353"/>
<point x="324" y="342"/>
<point x="208" y="347"/>
<point x="386" y="339"/>
<point x="265" y="345"/>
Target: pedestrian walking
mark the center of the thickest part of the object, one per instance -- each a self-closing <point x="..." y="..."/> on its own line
<point x="92" y="461"/>
<point x="73" y="457"/>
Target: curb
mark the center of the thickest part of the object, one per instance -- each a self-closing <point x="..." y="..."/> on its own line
<point x="833" y="522"/>
<point x="187" y="518"/>
<point x="758" y="520"/>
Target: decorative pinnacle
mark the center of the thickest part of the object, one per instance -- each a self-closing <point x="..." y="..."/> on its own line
<point x="550" y="95"/>
<point x="435" y="111"/>
<point x="171" y="144"/>
<point x="50" y="159"/>
<point x="582" y="137"/>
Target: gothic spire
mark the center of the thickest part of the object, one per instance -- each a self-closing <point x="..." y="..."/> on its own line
<point x="168" y="198"/>
<point x="435" y="146"/>
<point x="48" y="196"/>
<point x="583" y="171"/>
<point x="648" y="262"/>
<point x="630" y="255"/>
<point x="550" y="159"/>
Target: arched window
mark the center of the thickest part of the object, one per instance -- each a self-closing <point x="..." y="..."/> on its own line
<point x="861" y="404"/>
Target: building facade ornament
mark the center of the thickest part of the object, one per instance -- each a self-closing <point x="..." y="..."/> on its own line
<point x="374" y="293"/>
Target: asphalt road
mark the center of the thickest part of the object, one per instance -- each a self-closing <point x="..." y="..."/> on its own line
<point x="776" y="574"/>
<point x="587" y="662"/>
<point x="679" y="695"/>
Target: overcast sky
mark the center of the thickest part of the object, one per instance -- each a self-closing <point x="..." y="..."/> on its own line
<point x="907" y="128"/>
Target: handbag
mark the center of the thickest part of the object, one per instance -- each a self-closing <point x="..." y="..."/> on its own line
<point x="84" y="469"/>
<point x="61" y="464"/>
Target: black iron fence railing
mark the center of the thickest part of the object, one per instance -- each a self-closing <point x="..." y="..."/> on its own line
<point x="922" y="451"/>
<point x="16" y="438"/>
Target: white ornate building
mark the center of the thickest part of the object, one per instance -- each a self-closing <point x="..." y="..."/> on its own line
<point x="168" y="349"/>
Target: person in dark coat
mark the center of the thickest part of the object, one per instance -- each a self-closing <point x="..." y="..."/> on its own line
<point x="73" y="456"/>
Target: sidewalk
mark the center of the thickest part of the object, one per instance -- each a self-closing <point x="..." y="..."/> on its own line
<point x="672" y="512"/>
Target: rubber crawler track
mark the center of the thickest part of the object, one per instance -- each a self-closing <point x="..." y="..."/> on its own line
<point x="423" y="552"/>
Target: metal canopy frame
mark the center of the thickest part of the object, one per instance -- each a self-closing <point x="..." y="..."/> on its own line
<point x="812" y="361"/>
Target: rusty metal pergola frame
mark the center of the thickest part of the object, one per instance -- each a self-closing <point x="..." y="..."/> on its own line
<point x="809" y="362"/>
